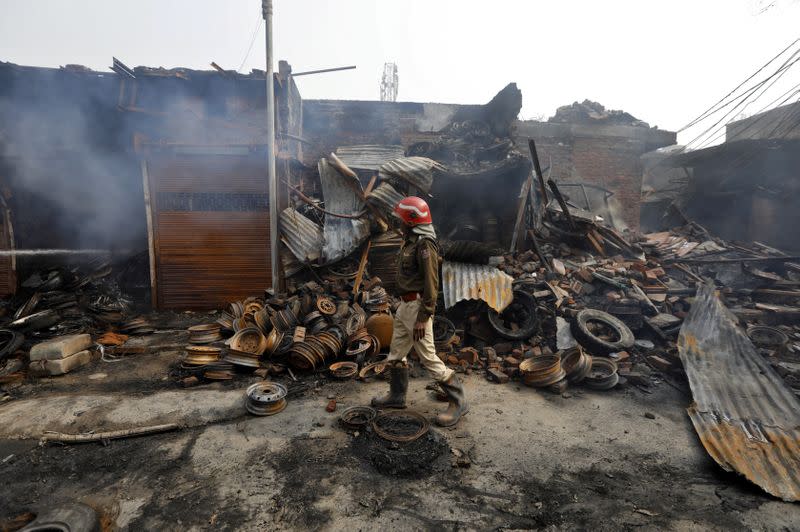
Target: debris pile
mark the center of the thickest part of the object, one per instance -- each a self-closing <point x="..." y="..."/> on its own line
<point x="61" y="304"/>
<point x="592" y="112"/>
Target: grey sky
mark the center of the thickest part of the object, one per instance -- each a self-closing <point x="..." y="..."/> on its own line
<point x="662" y="61"/>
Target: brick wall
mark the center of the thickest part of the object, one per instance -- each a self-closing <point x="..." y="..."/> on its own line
<point x="608" y="156"/>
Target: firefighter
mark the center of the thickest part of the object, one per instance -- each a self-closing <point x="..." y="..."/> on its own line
<point x="418" y="286"/>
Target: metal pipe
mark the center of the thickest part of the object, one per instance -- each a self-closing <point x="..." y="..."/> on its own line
<point x="322" y="71"/>
<point x="272" y="181"/>
<point x="58" y="251"/>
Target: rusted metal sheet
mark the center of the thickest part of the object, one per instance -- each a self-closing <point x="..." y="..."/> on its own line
<point x="745" y="416"/>
<point x="210" y="229"/>
<point x="385" y="197"/>
<point x="416" y="171"/>
<point x="383" y="258"/>
<point x="341" y="235"/>
<point x="302" y="236"/>
<point x="462" y="281"/>
<point x="369" y="156"/>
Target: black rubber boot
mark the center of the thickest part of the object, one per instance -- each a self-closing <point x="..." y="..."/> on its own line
<point x="398" y="385"/>
<point x="458" y="403"/>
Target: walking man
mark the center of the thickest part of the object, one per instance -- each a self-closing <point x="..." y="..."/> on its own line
<point x="418" y="286"/>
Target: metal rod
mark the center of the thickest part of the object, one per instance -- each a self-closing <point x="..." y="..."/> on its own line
<point x="538" y="249"/>
<point x="561" y="203"/>
<point x="537" y="167"/>
<point x="322" y="71"/>
<point x="272" y="182"/>
<point x="308" y="201"/>
<point x="35" y="252"/>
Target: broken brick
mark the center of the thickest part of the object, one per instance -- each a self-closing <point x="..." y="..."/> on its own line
<point x="468" y="355"/>
<point x="659" y="363"/>
<point x="497" y="376"/>
<point x="503" y="348"/>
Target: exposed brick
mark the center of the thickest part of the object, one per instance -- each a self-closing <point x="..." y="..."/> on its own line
<point x="497" y="376"/>
<point x="468" y="355"/>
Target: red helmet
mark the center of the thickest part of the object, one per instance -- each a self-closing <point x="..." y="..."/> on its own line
<point x="413" y="211"/>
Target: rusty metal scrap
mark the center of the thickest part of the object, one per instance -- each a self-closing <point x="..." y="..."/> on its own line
<point x="357" y="417"/>
<point x="745" y="416"/>
<point x="343" y="370"/>
<point x="542" y="371"/>
<point x="602" y="374"/>
<point x="384" y="198"/>
<point x="265" y="398"/>
<point x="415" y="171"/>
<point x="204" y="334"/>
<point x="400" y="425"/>
<point x="341" y="235"/>
<point x="369" y="156"/>
<point x="461" y="281"/>
<point x="302" y="236"/>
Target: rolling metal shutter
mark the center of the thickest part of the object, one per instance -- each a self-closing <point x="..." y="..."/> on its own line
<point x="208" y="219"/>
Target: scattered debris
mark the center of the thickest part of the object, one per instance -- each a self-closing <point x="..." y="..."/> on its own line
<point x="745" y="416"/>
<point x="357" y="417"/>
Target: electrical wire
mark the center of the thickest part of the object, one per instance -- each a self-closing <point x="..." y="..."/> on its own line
<point x="724" y="129"/>
<point x="758" y="119"/>
<point x="781" y="70"/>
<point x="743" y="159"/>
<point x="705" y="113"/>
<point x="252" y="41"/>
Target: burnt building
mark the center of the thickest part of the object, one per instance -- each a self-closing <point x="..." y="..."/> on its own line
<point x="168" y="167"/>
<point x="595" y="155"/>
<point x="747" y="187"/>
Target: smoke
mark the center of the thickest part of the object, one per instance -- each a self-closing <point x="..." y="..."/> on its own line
<point x="67" y="155"/>
<point x="67" y="161"/>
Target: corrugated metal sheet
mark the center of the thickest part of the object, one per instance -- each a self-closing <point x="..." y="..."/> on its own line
<point x="461" y="281"/>
<point x="341" y="235"/>
<point x="369" y="156"/>
<point x="302" y="236"/>
<point x="384" y="197"/>
<point x="210" y="229"/>
<point x="383" y="258"/>
<point x="745" y="416"/>
<point x="416" y="171"/>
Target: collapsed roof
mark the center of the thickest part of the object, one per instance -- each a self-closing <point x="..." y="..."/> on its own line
<point x="589" y="112"/>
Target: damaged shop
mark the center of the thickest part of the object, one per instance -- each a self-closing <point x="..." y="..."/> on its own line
<point x="546" y="281"/>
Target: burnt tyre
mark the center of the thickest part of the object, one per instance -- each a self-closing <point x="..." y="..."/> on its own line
<point x="601" y="332"/>
<point x="518" y="321"/>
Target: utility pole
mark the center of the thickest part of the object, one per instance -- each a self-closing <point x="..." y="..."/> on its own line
<point x="272" y="182"/>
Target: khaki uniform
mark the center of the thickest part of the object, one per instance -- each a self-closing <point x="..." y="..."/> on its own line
<point x="418" y="271"/>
